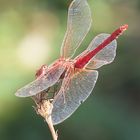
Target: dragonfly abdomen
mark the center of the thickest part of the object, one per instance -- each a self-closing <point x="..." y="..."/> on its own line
<point x="82" y="61"/>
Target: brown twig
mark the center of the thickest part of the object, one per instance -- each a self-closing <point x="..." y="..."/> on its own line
<point x="44" y="108"/>
<point x="51" y="127"/>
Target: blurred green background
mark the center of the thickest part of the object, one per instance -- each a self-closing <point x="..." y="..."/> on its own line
<point x="31" y="33"/>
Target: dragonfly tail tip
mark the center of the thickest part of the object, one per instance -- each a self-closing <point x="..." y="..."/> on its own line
<point x="124" y="27"/>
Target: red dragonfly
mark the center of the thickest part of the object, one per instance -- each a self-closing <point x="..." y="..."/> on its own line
<point x="77" y="75"/>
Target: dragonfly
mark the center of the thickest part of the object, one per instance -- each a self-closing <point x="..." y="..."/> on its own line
<point x="77" y="76"/>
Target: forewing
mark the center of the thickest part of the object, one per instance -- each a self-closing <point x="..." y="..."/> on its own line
<point x="78" y="25"/>
<point x="80" y="87"/>
<point x="43" y="83"/>
<point x="105" y="56"/>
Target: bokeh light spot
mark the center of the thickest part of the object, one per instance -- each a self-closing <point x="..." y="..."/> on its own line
<point x="33" y="49"/>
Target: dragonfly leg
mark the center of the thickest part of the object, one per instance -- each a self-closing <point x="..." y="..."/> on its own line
<point x="63" y="94"/>
<point x="64" y="88"/>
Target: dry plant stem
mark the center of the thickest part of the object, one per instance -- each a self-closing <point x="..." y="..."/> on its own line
<point x="51" y="127"/>
<point x="44" y="108"/>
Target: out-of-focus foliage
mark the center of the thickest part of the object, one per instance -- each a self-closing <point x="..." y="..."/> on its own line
<point x="31" y="32"/>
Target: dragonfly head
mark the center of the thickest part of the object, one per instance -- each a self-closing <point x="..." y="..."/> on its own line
<point x="41" y="71"/>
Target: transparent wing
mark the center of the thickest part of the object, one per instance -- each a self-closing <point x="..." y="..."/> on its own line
<point x="41" y="84"/>
<point x="78" y="25"/>
<point x="105" y="56"/>
<point x="47" y="94"/>
<point x="79" y="88"/>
